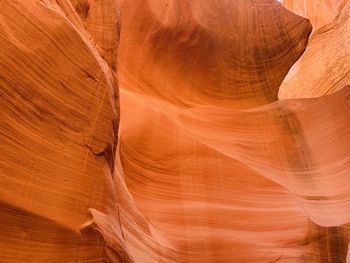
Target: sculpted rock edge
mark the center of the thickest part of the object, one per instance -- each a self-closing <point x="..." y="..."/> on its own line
<point x="152" y="131"/>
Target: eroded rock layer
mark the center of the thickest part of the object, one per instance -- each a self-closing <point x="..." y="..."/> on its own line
<point x="325" y="66"/>
<point x="320" y="12"/>
<point x="59" y="127"/>
<point x="193" y="52"/>
<point x="223" y="174"/>
<point x="193" y="158"/>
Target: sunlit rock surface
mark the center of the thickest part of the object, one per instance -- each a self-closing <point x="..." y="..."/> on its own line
<point x="191" y="157"/>
<point x="320" y="12"/>
<point x="325" y="66"/>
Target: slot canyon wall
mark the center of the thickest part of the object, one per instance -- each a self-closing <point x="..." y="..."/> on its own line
<point x="145" y="131"/>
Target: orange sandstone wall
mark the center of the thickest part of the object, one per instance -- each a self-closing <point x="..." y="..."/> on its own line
<point x="324" y="67"/>
<point x="320" y="12"/>
<point x="173" y="131"/>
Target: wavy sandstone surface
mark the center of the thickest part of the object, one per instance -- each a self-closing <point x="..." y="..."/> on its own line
<point x="174" y="131"/>
<point x="325" y="66"/>
<point x="320" y="12"/>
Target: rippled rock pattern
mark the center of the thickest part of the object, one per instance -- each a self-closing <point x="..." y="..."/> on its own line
<point x="145" y="131"/>
<point x="324" y="67"/>
<point x="320" y="12"/>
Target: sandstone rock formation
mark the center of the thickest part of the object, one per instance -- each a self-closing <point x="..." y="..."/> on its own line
<point x="198" y="55"/>
<point x="191" y="157"/>
<point x="320" y="12"/>
<point x="59" y="127"/>
<point x="325" y="66"/>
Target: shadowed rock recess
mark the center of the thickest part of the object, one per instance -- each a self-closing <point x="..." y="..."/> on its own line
<point x="146" y="131"/>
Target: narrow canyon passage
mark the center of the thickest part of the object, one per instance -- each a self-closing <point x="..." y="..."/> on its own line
<point x="145" y="131"/>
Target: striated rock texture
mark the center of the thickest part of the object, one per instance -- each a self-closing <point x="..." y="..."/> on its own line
<point x="192" y="158"/>
<point x="325" y="66"/>
<point x="223" y="174"/>
<point x="58" y="133"/>
<point x="320" y="12"/>
<point x="198" y="54"/>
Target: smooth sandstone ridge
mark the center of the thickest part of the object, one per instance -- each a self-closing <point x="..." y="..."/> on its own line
<point x="146" y="131"/>
<point x="320" y="12"/>
<point x="59" y="128"/>
<point x="198" y="53"/>
<point x="324" y="67"/>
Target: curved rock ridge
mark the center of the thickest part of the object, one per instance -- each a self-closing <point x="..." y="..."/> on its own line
<point x="58" y="135"/>
<point x="63" y="196"/>
<point x="324" y="67"/>
<point x="206" y="166"/>
<point x="213" y="180"/>
<point x="198" y="48"/>
<point x="209" y="168"/>
<point x="320" y="12"/>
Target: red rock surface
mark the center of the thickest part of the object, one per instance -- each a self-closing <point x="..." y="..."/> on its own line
<point x="320" y="12"/>
<point x="198" y="53"/>
<point x="59" y="126"/>
<point x="192" y="157"/>
<point x="324" y="67"/>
